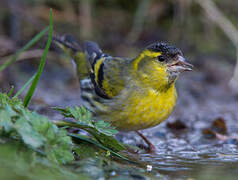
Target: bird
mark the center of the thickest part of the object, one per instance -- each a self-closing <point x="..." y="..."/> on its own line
<point x="131" y="93"/>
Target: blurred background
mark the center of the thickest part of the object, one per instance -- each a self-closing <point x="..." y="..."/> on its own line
<point x="120" y="25"/>
<point x="205" y="30"/>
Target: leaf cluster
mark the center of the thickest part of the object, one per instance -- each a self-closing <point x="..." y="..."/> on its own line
<point x="102" y="132"/>
<point x="84" y="119"/>
<point x="35" y="131"/>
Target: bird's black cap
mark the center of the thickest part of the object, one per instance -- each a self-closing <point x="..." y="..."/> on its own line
<point x="164" y="48"/>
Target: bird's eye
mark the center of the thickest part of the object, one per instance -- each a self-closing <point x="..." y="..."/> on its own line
<point x="161" y="58"/>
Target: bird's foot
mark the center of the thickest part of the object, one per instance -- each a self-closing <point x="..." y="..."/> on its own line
<point x="151" y="147"/>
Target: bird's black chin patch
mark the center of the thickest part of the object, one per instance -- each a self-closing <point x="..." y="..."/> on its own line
<point x="173" y="75"/>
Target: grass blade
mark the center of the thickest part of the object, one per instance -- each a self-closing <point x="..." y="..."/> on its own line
<point x="19" y="52"/>
<point x="41" y="66"/>
<point x="25" y="86"/>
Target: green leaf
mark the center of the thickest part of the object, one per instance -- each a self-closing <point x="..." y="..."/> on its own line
<point x="5" y="121"/>
<point x="59" y="150"/>
<point x="85" y="150"/>
<point x="82" y="116"/>
<point x="83" y="138"/>
<point x="109" y="142"/>
<point x="41" y="123"/>
<point x="84" y="119"/>
<point x="101" y="130"/>
<point x="41" y="66"/>
<point x="19" y="162"/>
<point x="105" y="128"/>
<point x="28" y="134"/>
<point x="36" y="131"/>
<point x="65" y="112"/>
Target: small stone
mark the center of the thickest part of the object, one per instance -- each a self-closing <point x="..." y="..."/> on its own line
<point x="149" y="168"/>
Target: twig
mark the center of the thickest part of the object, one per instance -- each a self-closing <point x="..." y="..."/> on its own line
<point x="30" y="54"/>
<point x="228" y="28"/>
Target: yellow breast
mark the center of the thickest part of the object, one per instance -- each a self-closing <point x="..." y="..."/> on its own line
<point x="145" y="109"/>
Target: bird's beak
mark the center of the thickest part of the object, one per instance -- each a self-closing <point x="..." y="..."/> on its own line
<point x="180" y="65"/>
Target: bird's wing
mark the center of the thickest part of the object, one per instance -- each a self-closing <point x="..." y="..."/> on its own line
<point x="106" y="71"/>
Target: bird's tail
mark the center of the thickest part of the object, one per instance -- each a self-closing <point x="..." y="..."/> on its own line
<point x="70" y="46"/>
<point x="67" y="43"/>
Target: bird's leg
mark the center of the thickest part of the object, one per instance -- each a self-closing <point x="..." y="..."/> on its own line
<point x="151" y="147"/>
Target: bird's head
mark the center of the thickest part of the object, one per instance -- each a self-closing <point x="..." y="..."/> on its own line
<point x="159" y="64"/>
